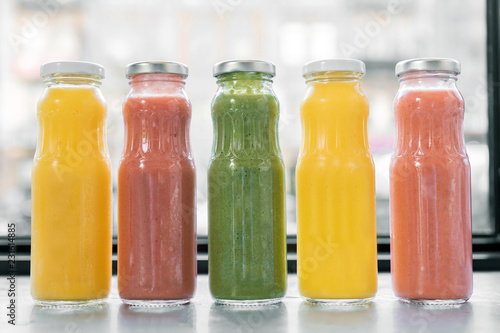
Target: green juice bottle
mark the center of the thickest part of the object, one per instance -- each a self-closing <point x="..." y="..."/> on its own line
<point x="246" y="182"/>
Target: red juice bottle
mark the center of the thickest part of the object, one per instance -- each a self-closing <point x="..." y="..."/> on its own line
<point x="156" y="189"/>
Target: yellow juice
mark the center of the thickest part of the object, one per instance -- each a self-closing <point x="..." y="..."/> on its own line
<point x="71" y="197"/>
<point x="336" y="237"/>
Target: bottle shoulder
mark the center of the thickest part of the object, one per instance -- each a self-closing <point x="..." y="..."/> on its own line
<point x="142" y="103"/>
<point x="334" y="102"/>
<point x="244" y="101"/>
<point x="327" y="91"/>
<point x="248" y="160"/>
<point x="358" y="157"/>
<point x="165" y="162"/>
<point x="58" y="98"/>
<point x="412" y="98"/>
<point x="434" y="156"/>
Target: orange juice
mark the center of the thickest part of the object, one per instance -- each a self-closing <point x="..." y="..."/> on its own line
<point x="336" y="237"/>
<point x="71" y="190"/>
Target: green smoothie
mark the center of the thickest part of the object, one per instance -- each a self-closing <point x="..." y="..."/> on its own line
<point x="247" y="236"/>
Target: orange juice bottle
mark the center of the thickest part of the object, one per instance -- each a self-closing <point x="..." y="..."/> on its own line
<point x="71" y="189"/>
<point x="336" y="236"/>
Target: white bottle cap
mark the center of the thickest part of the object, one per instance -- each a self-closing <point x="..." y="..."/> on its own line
<point x="334" y="65"/>
<point x="72" y="67"/>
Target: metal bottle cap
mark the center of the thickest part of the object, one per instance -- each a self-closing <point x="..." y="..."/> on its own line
<point x="146" y="67"/>
<point x="231" y="66"/>
<point x="428" y="64"/>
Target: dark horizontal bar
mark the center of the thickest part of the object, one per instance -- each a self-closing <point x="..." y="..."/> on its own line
<point x="291" y="239"/>
<point x="482" y="261"/>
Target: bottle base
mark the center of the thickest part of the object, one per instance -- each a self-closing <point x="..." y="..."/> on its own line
<point x="70" y="304"/>
<point x="439" y="302"/>
<point x="155" y="303"/>
<point x="248" y="302"/>
<point x="338" y="302"/>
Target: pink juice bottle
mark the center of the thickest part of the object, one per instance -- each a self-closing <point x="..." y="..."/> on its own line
<point x="156" y="189"/>
<point x="430" y="189"/>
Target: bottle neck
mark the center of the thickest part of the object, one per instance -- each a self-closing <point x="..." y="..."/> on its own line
<point x="334" y="76"/>
<point x="245" y="117"/>
<point x="157" y="113"/>
<point x="334" y="114"/>
<point x="72" y="79"/>
<point x="429" y="79"/>
<point x="140" y="79"/>
<point x="244" y="79"/>
<point x="429" y="113"/>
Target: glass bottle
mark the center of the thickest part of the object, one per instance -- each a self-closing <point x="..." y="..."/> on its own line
<point x="336" y="236"/>
<point x="71" y="189"/>
<point x="430" y="189"/>
<point x="246" y="179"/>
<point x="156" y="189"/>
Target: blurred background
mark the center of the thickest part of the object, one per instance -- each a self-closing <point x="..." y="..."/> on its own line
<point x="200" y="33"/>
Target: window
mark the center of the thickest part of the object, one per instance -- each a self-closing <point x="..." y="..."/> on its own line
<point x="379" y="32"/>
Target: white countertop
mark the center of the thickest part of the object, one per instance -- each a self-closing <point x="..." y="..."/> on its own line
<point x="385" y="314"/>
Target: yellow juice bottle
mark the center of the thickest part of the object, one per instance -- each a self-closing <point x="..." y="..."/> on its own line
<point x="336" y="236"/>
<point x="71" y="189"/>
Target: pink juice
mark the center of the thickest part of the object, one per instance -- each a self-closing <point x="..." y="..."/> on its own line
<point x="431" y="252"/>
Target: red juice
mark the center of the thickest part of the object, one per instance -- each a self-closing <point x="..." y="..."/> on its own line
<point x="156" y="194"/>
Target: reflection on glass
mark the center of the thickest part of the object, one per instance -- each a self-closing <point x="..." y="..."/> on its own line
<point x="412" y="318"/>
<point x="290" y="34"/>
<point x="246" y="319"/>
<point x="83" y="319"/>
<point x="144" y="319"/>
<point x="361" y="318"/>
